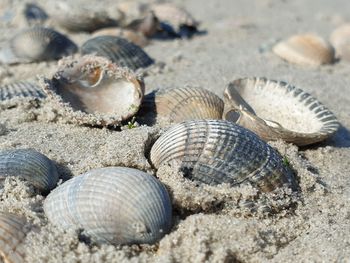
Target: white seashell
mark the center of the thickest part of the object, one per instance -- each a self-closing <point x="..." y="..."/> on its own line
<point x="340" y="39"/>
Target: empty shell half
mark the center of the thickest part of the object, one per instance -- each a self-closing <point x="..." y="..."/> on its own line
<point x="13" y="231"/>
<point x="305" y="50"/>
<point x="30" y="165"/>
<point x="92" y="90"/>
<point x="340" y="39"/>
<point x="118" y="50"/>
<point x="36" y="44"/>
<point x="277" y="110"/>
<point x="114" y="205"/>
<point x="218" y="151"/>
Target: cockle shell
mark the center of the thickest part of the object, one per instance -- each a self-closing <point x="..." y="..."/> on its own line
<point x="36" y="44"/>
<point x="218" y="151"/>
<point x="13" y="231"/>
<point x="114" y="205"/>
<point x="180" y="104"/>
<point x="135" y="37"/>
<point x="118" y="50"/>
<point x="93" y="90"/>
<point x="340" y="39"/>
<point x="30" y="165"/>
<point x="305" y="50"/>
<point x="277" y="110"/>
<point x="34" y="14"/>
<point x="21" y="89"/>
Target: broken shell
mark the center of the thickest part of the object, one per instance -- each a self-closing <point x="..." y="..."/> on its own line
<point x="21" y="89"/>
<point x="118" y="50"/>
<point x="36" y="44"/>
<point x="114" y="205"/>
<point x="177" y="105"/>
<point x="34" y="14"/>
<point x="340" y="39"/>
<point x="93" y="90"/>
<point x="218" y="151"/>
<point x="30" y="165"/>
<point x="132" y="36"/>
<point x="305" y="50"/>
<point x="276" y="110"/>
<point x="13" y="231"/>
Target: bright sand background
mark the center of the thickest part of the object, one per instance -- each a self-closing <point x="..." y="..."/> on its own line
<point x="208" y="223"/>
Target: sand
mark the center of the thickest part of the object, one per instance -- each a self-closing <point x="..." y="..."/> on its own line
<point x="210" y="223"/>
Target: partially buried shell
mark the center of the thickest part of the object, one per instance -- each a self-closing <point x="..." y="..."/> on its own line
<point x="114" y="205"/>
<point x="148" y="25"/>
<point x="13" y="231"/>
<point x="218" y="151"/>
<point x="305" y="50"/>
<point x="36" y="44"/>
<point x="30" y="165"/>
<point x="34" y="14"/>
<point x="135" y="37"/>
<point x="21" y="89"/>
<point x="340" y="39"/>
<point x="92" y="90"/>
<point x="277" y="110"/>
<point x="118" y="50"/>
<point x="180" y="104"/>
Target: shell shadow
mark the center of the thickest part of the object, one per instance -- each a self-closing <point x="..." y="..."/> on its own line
<point x="167" y="32"/>
<point x="147" y="114"/>
<point x="64" y="172"/>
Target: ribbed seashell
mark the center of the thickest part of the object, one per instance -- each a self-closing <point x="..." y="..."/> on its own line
<point x="21" y="89"/>
<point x="36" y="44"/>
<point x="305" y="50"/>
<point x="118" y="50"/>
<point x="34" y="14"/>
<point x="277" y="110"/>
<point x="180" y="104"/>
<point x="135" y="37"/>
<point x="92" y="90"/>
<point x="114" y="205"/>
<point x="340" y="39"/>
<point x="218" y="151"/>
<point x="30" y="165"/>
<point x="13" y="231"/>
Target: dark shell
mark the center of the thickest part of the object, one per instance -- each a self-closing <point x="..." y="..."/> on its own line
<point x="21" y="89"/>
<point x="34" y="14"/>
<point x="118" y="50"/>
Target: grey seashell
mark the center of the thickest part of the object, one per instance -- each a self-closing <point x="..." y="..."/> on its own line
<point x="118" y="50"/>
<point x="114" y="205"/>
<point x="218" y="151"/>
<point x="34" y="14"/>
<point x="13" y="231"/>
<point x="36" y="44"/>
<point x="30" y="165"/>
<point x="277" y="110"/>
<point x="21" y="89"/>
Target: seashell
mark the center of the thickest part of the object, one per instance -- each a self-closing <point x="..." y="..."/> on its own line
<point x="218" y="151"/>
<point x="147" y="25"/>
<point x="30" y="165"/>
<point x="340" y="39"/>
<point x="13" y="231"/>
<point x="36" y="44"/>
<point x="34" y="14"/>
<point x="92" y="90"/>
<point x="277" y="110"/>
<point x="114" y="205"/>
<point x="177" y="105"/>
<point x="118" y="50"/>
<point x="21" y="89"/>
<point x="305" y="50"/>
<point x="132" y="9"/>
<point x="132" y="36"/>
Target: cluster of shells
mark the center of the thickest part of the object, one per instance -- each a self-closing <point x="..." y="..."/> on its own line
<point x="214" y="141"/>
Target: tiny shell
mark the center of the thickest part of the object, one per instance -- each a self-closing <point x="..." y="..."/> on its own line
<point x="34" y="14"/>
<point x="177" y="105"/>
<point x="92" y="90"/>
<point x="36" y="44"/>
<point x="305" y="50"/>
<point x="135" y="37"/>
<point x="340" y="39"/>
<point x="114" y="205"/>
<point x="218" y="151"/>
<point x="21" y="89"/>
<point x="13" y="231"/>
<point x="276" y="110"/>
<point x="30" y="165"/>
<point x="118" y="50"/>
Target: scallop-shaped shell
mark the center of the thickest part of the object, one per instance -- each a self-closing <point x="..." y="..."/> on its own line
<point x="13" y="231"/>
<point x="135" y="37"/>
<point x="36" y="44"/>
<point x="34" y="14"/>
<point x="114" y="205"/>
<point x="340" y="39"/>
<point x="21" y="89"/>
<point x="177" y="105"/>
<point x="30" y="165"/>
<point x="305" y="50"/>
<point x="276" y="110"/>
<point x="118" y="50"/>
<point x="218" y="151"/>
<point x="92" y="90"/>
